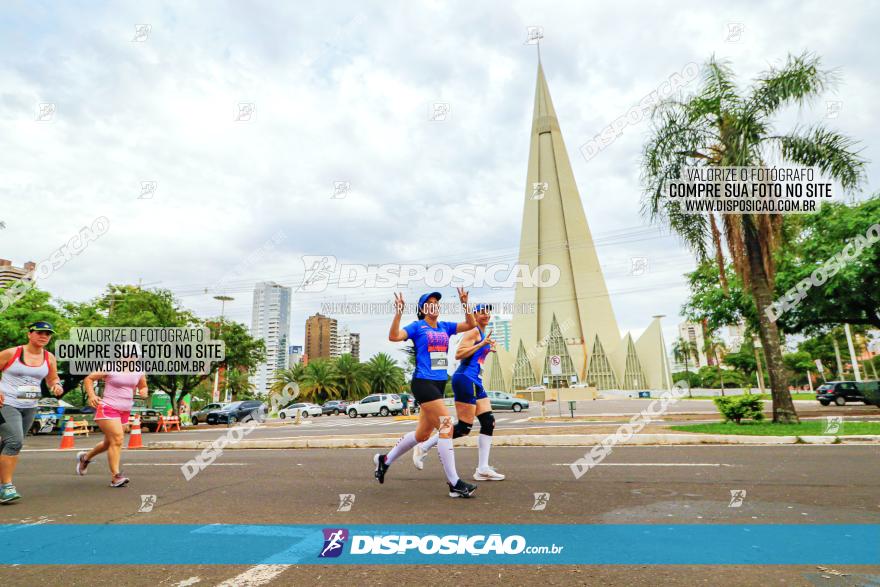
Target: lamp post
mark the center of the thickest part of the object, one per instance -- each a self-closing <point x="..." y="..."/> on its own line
<point x="215" y="395"/>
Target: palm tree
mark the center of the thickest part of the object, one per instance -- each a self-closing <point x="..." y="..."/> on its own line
<point x="352" y="377"/>
<point x="281" y="380"/>
<point x="683" y="349"/>
<point x="720" y="127"/>
<point x="239" y="384"/>
<point x="711" y="346"/>
<point x="320" y="381"/>
<point x="384" y="374"/>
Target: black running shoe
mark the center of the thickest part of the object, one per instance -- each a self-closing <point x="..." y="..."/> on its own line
<point x="381" y="467"/>
<point x="461" y="489"/>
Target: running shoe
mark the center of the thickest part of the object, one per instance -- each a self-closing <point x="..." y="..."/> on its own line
<point x="119" y="480"/>
<point x="419" y="455"/>
<point x="488" y="474"/>
<point x="461" y="489"/>
<point x="9" y="494"/>
<point x="381" y="467"/>
<point x="81" y="462"/>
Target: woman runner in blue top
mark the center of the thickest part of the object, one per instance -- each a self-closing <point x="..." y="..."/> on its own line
<point x="431" y="342"/>
<point x="470" y="397"/>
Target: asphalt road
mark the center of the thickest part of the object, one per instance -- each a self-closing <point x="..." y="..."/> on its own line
<point x="692" y="484"/>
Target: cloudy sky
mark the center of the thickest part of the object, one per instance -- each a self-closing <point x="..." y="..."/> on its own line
<point x="344" y="92"/>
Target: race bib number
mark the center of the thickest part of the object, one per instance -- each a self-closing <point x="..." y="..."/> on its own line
<point x="28" y="392"/>
<point x="439" y="361"/>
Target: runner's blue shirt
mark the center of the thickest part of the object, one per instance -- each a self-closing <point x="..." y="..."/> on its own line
<point x="432" y="346"/>
<point x="472" y="366"/>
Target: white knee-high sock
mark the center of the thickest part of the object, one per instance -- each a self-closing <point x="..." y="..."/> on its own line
<point x="431" y="442"/>
<point x="484" y="442"/>
<point x="406" y="442"/>
<point x="447" y="457"/>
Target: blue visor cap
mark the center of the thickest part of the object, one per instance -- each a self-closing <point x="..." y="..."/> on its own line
<point x="424" y="299"/>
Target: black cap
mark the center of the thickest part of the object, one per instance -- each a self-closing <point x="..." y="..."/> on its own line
<point x="40" y="326"/>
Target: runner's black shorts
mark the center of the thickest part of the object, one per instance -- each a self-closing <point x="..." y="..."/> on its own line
<point x="428" y="390"/>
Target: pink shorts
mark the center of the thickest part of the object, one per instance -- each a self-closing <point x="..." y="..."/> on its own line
<point x="107" y="413"/>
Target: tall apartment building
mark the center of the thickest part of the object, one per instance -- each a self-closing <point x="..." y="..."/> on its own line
<point x="294" y="355"/>
<point x="270" y="322"/>
<point x="500" y="328"/>
<point x="693" y="332"/>
<point x="10" y="273"/>
<point x="321" y="337"/>
<point x="349" y="343"/>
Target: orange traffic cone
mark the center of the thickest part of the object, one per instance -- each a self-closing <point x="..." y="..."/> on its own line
<point x="67" y="437"/>
<point x="134" y="439"/>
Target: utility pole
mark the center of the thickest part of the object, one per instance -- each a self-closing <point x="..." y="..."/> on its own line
<point x="215" y="395"/>
<point x="757" y="346"/>
<point x="837" y="356"/>
<point x="852" y="352"/>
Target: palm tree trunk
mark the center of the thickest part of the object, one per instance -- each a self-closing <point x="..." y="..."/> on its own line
<point x="719" y="254"/>
<point x="759" y="286"/>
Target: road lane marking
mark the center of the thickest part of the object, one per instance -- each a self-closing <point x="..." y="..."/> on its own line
<point x="650" y="464"/>
<point x="255" y="576"/>
<point x="188" y="582"/>
<point x="519" y="421"/>
<point x="181" y="464"/>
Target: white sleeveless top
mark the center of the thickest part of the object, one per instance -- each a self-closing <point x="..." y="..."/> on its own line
<point x="20" y="383"/>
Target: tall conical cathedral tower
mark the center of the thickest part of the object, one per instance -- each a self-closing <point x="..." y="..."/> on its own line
<point x="573" y="318"/>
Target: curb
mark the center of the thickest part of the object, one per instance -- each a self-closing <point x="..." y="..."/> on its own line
<point x="525" y="440"/>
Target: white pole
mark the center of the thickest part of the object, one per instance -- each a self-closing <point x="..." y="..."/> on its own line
<point x="852" y="352"/>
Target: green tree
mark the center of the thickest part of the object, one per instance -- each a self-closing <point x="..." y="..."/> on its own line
<point x="320" y="382"/>
<point x="798" y="364"/>
<point x="352" y="377"/>
<point x="852" y="293"/>
<point x="683" y="350"/>
<point x="713" y="347"/>
<point x="720" y="127"/>
<point x="384" y="375"/>
<point x="239" y="384"/>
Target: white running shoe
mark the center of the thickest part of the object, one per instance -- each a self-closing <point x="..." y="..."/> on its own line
<point x="488" y="474"/>
<point x="419" y="455"/>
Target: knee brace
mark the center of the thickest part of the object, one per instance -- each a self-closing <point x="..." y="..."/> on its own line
<point x="461" y="429"/>
<point x="487" y="423"/>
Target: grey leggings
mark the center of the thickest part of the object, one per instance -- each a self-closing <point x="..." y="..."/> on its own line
<point x="16" y="423"/>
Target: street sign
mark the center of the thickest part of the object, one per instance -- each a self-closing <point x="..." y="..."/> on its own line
<point x="555" y="365"/>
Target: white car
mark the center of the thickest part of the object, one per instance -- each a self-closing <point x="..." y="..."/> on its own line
<point x="377" y="404"/>
<point x="305" y="410"/>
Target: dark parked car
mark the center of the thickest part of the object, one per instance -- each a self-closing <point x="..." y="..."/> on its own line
<point x="148" y="416"/>
<point x="839" y="392"/>
<point x="238" y="411"/>
<point x="202" y="415"/>
<point x="334" y="407"/>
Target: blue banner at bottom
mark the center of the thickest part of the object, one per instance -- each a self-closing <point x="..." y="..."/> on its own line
<point x="472" y="544"/>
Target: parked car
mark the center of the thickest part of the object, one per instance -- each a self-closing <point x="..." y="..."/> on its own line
<point x="334" y="407"/>
<point x="305" y="410"/>
<point x="377" y="405"/>
<point x="871" y="392"/>
<point x="500" y="400"/>
<point x="202" y="415"/>
<point x="148" y="416"/>
<point x="839" y="392"/>
<point x="238" y="411"/>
